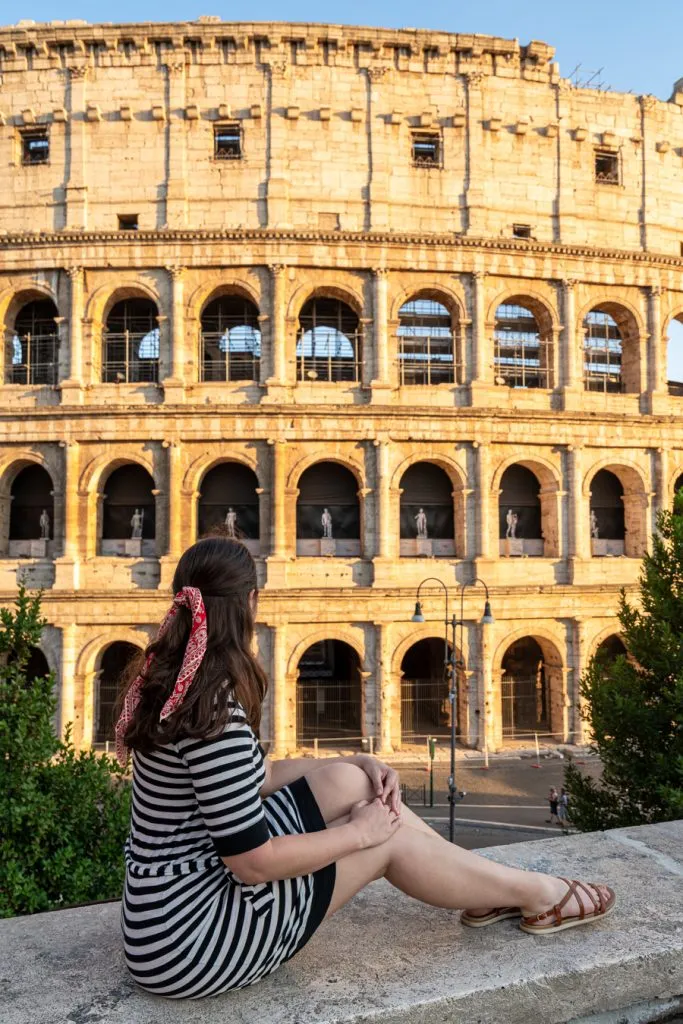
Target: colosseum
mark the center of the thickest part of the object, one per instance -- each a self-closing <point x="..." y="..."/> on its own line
<point x="391" y="305"/>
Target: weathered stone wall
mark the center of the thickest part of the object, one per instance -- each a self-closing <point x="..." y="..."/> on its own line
<point x="263" y="228"/>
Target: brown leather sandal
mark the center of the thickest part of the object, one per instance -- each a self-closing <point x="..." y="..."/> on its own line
<point x="497" y="914"/>
<point x="555" y="922"/>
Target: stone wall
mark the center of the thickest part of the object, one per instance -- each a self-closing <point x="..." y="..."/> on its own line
<point x="131" y="112"/>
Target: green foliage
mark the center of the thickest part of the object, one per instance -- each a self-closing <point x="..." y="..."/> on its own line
<point x="635" y="703"/>
<point x="64" y="815"/>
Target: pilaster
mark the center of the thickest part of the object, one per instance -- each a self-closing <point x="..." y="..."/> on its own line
<point x="67" y="568"/>
<point x="380" y="385"/>
<point x="72" y="388"/>
<point x="76" y="189"/>
<point x="174" y="384"/>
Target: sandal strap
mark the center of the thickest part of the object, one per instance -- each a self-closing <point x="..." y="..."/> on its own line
<point x="573" y="886"/>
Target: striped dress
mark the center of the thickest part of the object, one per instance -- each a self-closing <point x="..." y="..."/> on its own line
<point x="190" y="927"/>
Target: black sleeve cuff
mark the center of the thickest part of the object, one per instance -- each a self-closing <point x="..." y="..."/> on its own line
<point x="242" y="842"/>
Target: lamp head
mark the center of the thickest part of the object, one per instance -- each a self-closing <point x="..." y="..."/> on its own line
<point x="418" y="616"/>
<point x="487" y="618"/>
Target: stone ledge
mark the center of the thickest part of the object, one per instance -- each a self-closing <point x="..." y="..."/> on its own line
<point x="390" y="960"/>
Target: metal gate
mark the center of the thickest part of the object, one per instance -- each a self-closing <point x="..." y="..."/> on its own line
<point x="425" y="708"/>
<point x="525" y="705"/>
<point x="328" y="710"/>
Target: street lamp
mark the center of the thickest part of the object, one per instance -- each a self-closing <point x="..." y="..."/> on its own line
<point x="453" y="664"/>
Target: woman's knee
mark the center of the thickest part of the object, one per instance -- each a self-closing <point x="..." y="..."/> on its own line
<point x="338" y="786"/>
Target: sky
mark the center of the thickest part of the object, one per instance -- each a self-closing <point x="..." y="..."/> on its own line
<point x="638" y="45"/>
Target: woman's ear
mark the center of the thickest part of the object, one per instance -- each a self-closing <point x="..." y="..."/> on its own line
<point x="253" y="601"/>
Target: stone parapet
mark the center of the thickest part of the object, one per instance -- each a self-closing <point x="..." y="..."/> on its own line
<point x="390" y="960"/>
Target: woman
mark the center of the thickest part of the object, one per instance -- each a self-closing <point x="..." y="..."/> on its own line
<point x="233" y="862"/>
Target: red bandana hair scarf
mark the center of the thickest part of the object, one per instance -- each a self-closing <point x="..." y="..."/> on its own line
<point x="188" y="597"/>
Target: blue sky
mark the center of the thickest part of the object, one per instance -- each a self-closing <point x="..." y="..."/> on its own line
<point x="638" y="44"/>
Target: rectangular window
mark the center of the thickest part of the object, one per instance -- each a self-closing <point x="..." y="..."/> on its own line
<point x="606" y="167"/>
<point x="426" y="149"/>
<point x="521" y="230"/>
<point x="35" y="146"/>
<point x="128" y="222"/>
<point x="227" y="142"/>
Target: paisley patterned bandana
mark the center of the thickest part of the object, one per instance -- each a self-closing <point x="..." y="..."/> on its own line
<point x="188" y="597"/>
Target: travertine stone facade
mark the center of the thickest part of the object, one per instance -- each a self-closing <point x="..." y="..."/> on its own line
<point x="326" y="200"/>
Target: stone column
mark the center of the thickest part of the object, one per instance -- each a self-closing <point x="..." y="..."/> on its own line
<point x="386" y="534"/>
<point x="177" y="357"/>
<point x="280" y="727"/>
<point x="483" y="500"/>
<point x="381" y="339"/>
<point x="71" y="386"/>
<point x="474" y="196"/>
<point x="278" y="330"/>
<point x="661" y="495"/>
<point x="657" y="355"/>
<point x="490" y="728"/>
<point x="578" y="665"/>
<point x="67" y="676"/>
<point x="572" y="361"/>
<point x="76" y="140"/>
<point x="67" y="567"/>
<point x="177" y="512"/>
<point x="579" y="512"/>
<point x="481" y="355"/>
<point x="389" y="693"/>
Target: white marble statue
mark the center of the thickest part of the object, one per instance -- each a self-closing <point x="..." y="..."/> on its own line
<point x="595" y="525"/>
<point x="231" y="522"/>
<point x="421" y="524"/>
<point x="326" y="521"/>
<point x="511" y="519"/>
<point x="44" y="525"/>
<point x="136" y="524"/>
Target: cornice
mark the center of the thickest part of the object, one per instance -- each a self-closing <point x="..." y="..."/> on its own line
<point x="395" y="240"/>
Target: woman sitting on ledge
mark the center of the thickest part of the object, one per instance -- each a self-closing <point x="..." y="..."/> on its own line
<point x="233" y="862"/>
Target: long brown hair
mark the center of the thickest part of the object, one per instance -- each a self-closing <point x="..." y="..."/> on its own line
<point x="224" y="571"/>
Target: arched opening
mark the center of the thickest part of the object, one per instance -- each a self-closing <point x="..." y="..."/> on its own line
<point x="678" y="486"/>
<point x="611" y="350"/>
<point x="128" y="512"/>
<point x="35" y="345"/>
<point x="519" y="513"/>
<point x="329" y="342"/>
<point x="229" y="502"/>
<point x="131" y="343"/>
<point x="31" y="518"/>
<point x="426" y="346"/>
<point x="611" y="648"/>
<point x="523" y="346"/>
<point x="114" y="662"/>
<point x="328" y="511"/>
<point x="531" y="691"/>
<point x="607" y="522"/>
<point x="674" y="357"/>
<point x="36" y="666"/>
<point x="427" y="520"/>
<point x="329" y="695"/>
<point x="230" y="340"/>
<point x="425" y="683"/>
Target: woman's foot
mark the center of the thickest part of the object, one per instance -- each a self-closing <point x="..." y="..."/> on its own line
<point x="573" y="903"/>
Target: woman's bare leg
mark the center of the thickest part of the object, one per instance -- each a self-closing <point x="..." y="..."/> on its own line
<point x="456" y="878"/>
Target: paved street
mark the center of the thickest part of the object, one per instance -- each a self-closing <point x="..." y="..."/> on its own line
<point x="504" y="804"/>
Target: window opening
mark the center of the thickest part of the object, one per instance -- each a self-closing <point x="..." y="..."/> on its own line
<point x="128" y="222"/>
<point x="227" y="142"/>
<point x="426" y="149"/>
<point x="521" y="230"/>
<point x="426" y="345"/>
<point x="606" y="168"/>
<point x="602" y="353"/>
<point x="522" y="355"/>
<point x="230" y="340"/>
<point x="329" y="345"/>
<point x="131" y="343"/>
<point x="35" y="345"/>
<point x="35" y="146"/>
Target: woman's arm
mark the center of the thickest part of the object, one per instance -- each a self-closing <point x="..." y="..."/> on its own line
<point x="290" y="856"/>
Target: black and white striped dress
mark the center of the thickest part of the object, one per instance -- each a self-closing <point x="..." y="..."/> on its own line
<point x="190" y="927"/>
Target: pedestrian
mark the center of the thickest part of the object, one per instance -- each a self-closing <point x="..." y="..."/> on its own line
<point x="553" y="800"/>
<point x="563" y="809"/>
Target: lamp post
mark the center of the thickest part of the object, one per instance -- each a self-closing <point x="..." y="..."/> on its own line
<point x="453" y="663"/>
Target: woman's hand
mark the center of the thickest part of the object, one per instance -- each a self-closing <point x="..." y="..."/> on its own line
<point x="384" y="779"/>
<point x="374" y="821"/>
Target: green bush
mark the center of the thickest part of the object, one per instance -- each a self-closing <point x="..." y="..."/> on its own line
<point x="64" y="815"/>
<point x="634" y="704"/>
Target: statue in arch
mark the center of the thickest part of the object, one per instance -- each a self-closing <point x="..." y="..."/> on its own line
<point x="595" y="525"/>
<point x="326" y="521"/>
<point x="44" y="522"/>
<point x="421" y="524"/>
<point x="512" y="520"/>
<point x="231" y="522"/>
<point x="136" y="524"/>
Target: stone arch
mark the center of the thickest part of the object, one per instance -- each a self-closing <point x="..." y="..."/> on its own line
<point x="12" y="300"/>
<point x="331" y="632"/>
<point x="427" y="490"/>
<point x="636" y="503"/>
<point x="599" y="639"/>
<point x="449" y="297"/>
<point x="306" y="461"/>
<point x="91" y="483"/>
<point x="38" y="358"/>
<point x="229" y="335"/>
<point x="230" y="501"/>
<point x="330" y="694"/>
<point x="353" y="297"/>
<point x="104" y="298"/>
<point x="673" y="361"/>
<point x="10" y="467"/>
<point x="88" y="666"/>
<point x="215" y="287"/>
<point x="527" y="690"/>
<point x="632" y="330"/>
<point x="550" y="486"/>
<point x="425" y="355"/>
<point x="531" y="362"/>
<point x="328" y="510"/>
